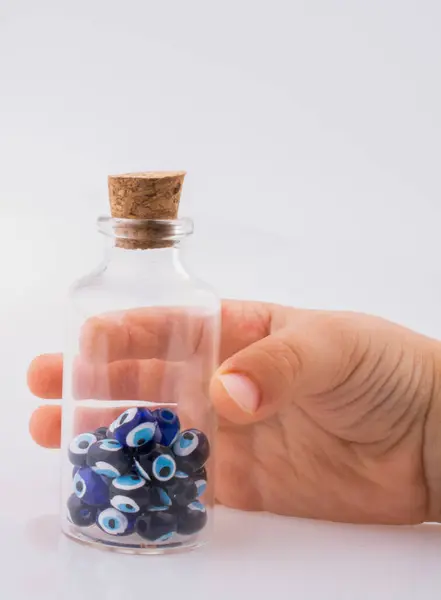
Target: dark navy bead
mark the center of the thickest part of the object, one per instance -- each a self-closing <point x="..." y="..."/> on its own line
<point x="158" y="497"/>
<point x="159" y="464"/>
<point x="79" y="447"/>
<point x="181" y="491"/>
<point x="114" y="522"/>
<point x="135" y="428"/>
<point x="200" y="479"/>
<point x="191" y="450"/>
<point x="90" y="487"/>
<point x="100" y="433"/>
<point x="109" y="458"/>
<point x="156" y="525"/>
<point x="79" y="513"/>
<point x="130" y="493"/>
<point x="168" y="426"/>
<point x="191" y="518"/>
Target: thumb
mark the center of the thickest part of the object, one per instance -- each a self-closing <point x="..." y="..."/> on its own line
<point x="257" y="381"/>
<point x="313" y="354"/>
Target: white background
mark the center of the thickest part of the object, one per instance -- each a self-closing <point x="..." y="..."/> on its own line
<point x="310" y="131"/>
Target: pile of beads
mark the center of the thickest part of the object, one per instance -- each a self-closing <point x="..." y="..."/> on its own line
<point x="141" y="475"/>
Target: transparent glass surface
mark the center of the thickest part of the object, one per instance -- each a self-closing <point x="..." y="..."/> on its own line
<point x="138" y="427"/>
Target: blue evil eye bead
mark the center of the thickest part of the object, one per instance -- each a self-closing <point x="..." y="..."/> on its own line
<point x="191" y="518"/>
<point x="90" y="487"/>
<point x="79" y="513"/>
<point x="158" y="498"/>
<point x="114" y="522"/>
<point x="135" y="428"/>
<point x="79" y="447"/>
<point x="158" y="464"/>
<point x="168" y="426"/>
<point x="129" y="483"/>
<point x="130" y="493"/>
<point x="191" y="450"/>
<point x="157" y="525"/>
<point x="125" y="504"/>
<point x="181" y="491"/>
<point x="109" y="458"/>
<point x="100" y="433"/>
<point x="200" y="480"/>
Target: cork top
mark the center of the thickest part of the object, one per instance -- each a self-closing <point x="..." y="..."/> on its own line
<point x="148" y="195"/>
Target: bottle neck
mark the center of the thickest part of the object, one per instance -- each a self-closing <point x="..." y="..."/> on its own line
<point x="158" y="262"/>
<point x="145" y="248"/>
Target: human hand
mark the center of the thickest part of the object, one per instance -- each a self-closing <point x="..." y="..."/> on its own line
<point x="322" y="415"/>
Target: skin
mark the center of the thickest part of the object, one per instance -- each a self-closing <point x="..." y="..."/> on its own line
<point x="334" y="416"/>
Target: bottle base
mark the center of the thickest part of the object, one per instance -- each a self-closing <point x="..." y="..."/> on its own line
<point x="134" y="546"/>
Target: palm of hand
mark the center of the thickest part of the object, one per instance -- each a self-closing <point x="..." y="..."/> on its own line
<point x="346" y="445"/>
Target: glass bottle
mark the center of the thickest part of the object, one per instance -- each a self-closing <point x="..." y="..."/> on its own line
<point x="138" y="427"/>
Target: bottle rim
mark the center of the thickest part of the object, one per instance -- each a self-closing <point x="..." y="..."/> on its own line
<point x="135" y="229"/>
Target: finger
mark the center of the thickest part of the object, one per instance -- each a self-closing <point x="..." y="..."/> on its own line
<point x="243" y="323"/>
<point x="45" y="426"/>
<point x="87" y="419"/>
<point x="163" y="333"/>
<point x="255" y="382"/>
<point x="300" y="361"/>
<point x="45" y="423"/>
<point x="45" y="376"/>
<point x="173" y="334"/>
<point x="131" y="379"/>
<point x="153" y="380"/>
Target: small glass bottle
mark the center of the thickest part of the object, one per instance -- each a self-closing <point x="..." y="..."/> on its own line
<point x="138" y="427"/>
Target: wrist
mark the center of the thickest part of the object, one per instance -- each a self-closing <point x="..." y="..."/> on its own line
<point x="432" y="441"/>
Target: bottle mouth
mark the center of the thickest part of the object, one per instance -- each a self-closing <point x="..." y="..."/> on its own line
<point x="151" y="230"/>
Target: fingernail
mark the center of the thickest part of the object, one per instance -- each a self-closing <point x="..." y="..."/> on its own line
<point x="242" y="390"/>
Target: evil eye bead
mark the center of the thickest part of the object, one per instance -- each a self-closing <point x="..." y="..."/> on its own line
<point x="157" y="525"/>
<point x="168" y="426"/>
<point x="110" y="445"/>
<point x="129" y="483"/>
<point x="79" y="485"/>
<point x="129" y="415"/>
<point x="135" y="428"/>
<point x="200" y="480"/>
<point x="191" y="518"/>
<point x="100" y="433"/>
<point x="192" y="450"/>
<point x="125" y="504"/>
<point x="181" y="491"/>
<point x="201" y="486"/>
<point x="159" y="464"/>
<point x="109" y="458"/>
<point x="158" y="498"/>
<point x="79" y="447"/>
<point x="130" y="493"/>
<point x="141" y="435"/>
<point x="79" y="513"/>
<point x="114" y="522"/>
<point x="163" y="467"/>
<point x="90" y="487"/>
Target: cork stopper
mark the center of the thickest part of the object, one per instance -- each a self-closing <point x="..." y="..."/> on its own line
<point x="150" y="195"/>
